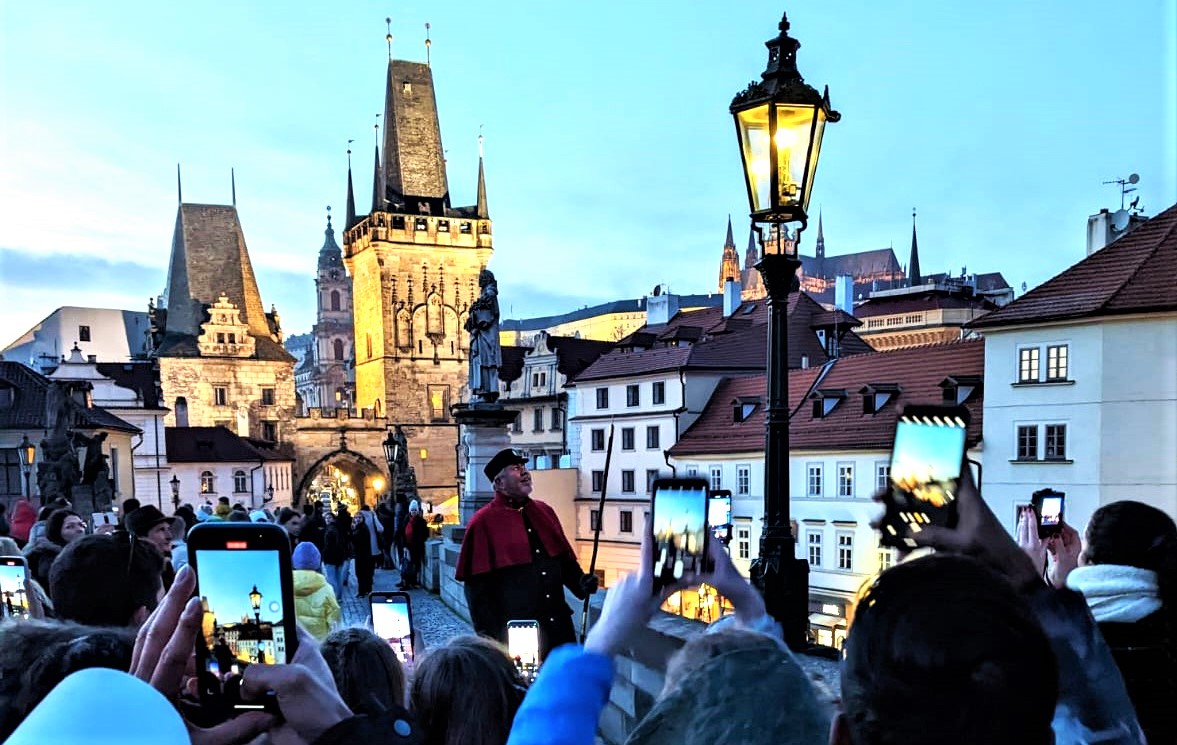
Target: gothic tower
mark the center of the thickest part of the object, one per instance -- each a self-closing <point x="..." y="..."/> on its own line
<point x="324" y="378"/>
<point x="913" y="263"/>
<point x="414" y="262"/>
<point x="753" y="285"/>
<point x="729" y="265"/>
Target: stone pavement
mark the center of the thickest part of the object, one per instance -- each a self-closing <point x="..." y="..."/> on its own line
<point x="431" y="617"/>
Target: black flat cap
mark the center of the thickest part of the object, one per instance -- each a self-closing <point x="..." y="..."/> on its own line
<point x="502" y="459"/>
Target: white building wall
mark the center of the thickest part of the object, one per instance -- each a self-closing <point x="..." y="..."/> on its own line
<point x="278" y="473"/>
<point x="115" y="335"/>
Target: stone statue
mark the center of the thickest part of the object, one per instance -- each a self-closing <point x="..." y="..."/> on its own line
<point x="485" y="354"/>
<point x="58" y="471"/>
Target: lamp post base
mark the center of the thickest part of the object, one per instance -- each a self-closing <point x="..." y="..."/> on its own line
<point x="783" y="581"/>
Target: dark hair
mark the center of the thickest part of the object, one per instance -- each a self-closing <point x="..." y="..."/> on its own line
<point x="238" y="516"/>
<point x="188" y="515"/>
<point x="44" y="513"/>
<point x="944" y="650"/>
<point x="466" y="693"/>
<point x="1137" y="535"/>
<point x="367" y="673"/>
<point x="286" y="514"/>
<point x="54" y="523"/>
<point x="102" y="647"/>
<point x="130" y="505"/>
<point x="103" y="579"/>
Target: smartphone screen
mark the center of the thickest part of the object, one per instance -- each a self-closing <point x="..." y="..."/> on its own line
<point x="679" y="515"/>
<point x="1052" y="511"/>
<point x="392" y="621"/>
<point x="719" y="514"/>
<point x="1050" y="506"/>
<point x="14" y="600"/>
<point x="523" y="646"/>
<point x="925" y="472"/>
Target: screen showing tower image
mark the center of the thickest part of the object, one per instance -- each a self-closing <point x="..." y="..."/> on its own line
<point x="925" y="463"/>
<point x="680" y="523"/>
<point x="14" y="601"/>
<point x="241" y="596"/>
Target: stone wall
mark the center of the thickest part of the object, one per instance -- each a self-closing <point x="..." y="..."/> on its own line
<point x="194" y="379"/>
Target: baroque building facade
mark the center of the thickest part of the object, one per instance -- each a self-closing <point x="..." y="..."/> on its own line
<point x="324" y="377"/>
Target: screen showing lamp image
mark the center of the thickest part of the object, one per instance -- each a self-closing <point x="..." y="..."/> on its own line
<point x="241" y="597"/>
<point x="390" y="622"/>
<point x="927" y="458"/>
<point x="14" y="600"/>
<point x="680" y="517"/>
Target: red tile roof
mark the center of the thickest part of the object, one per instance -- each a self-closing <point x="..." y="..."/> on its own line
<point x="917" y="371"/>
<point x="1134" y="274"/>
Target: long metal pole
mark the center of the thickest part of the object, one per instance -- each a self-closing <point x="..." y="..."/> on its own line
<point x="597" y="532"/>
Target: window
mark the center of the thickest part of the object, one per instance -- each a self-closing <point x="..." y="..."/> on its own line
<point x="813" y="480"/>
<point x="632" y="397"/>
<point x="693" y="470"/>
<point x="594" y="519"/>
<point x="845" y="479"/>
<point x="439" y="403"/>
<point x="335" y="300"/>
<point x="10" y="478"/>
<point x="743" y="541"/>
<point x="240" y="483"/>
<point x="181" y="412"/>
<point x="557" y="419"/>
<point x="1056" y="362"/>
<point x="267" y="396"/>
<point x="337" y="348"/>
<point x="537" y="424"/>
<point x="651" y="477"/>
<point x="627" y="521"/>
<point x="517" y="425"/>
<point x="539" y="379"/>
<point x="598" y="439"/>
<point x="743" y="479"/>
<point x="1028" y="365"/>
<point x="813" y="544"/>
<point x="627" y="484"/>
<point x="886" y="559"/>
<point x="83" y="333"/>
<point x="659" y="396"/>
<point x="652" y="437"/>
<point x="882" y="475"/>
<point x="598" y="481"/>
<point x="1028" y="442"/>
<point x="206" y="482"/>
<point x="220" y="395"/>
<point x="602" y="398"/>
<point x="627" y="438"/>
<point x="716" y="477"/>
<point x="270" y="431"/>
<point x="220" y="337"/>
<point x="846" y="551"/>
<point x="1056" y="442"/>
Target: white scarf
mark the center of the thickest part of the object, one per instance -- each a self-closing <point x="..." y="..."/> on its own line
<point x="1116" y="593"/>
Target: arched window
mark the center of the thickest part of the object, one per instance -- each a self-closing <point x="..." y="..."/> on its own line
<point x="335" y="300"/>
<point x="240" y="482"/>
<point x="206" y="482"/>
<point x="181" y="412"/>
<point x="338" y="344"/>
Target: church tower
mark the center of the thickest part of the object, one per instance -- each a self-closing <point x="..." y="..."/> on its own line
<point x="328" y="383"/>
<point x="414" y="263"/>
<point x="729" y="265"/>
<point x="752" y="288"/>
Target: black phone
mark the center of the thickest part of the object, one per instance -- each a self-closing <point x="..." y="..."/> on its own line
<point x="719" y="514"/>
<point x="926" y="462"/>
<point x="523" y="647"/>
<point x="14" y="598"/>
<point x="245" y="583"/>
<point x="392" y="621"/>
<point x="1049" y="506"/>
<point x="678" y="513"/>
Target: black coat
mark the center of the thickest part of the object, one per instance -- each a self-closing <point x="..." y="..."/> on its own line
<point x="416" y="546"/>
<point x="1144" y="652"/>
<point x="336" y="543"/>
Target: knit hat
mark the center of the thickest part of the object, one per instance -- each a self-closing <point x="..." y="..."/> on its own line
<point x="306" y="556"/>
<point x="414" y="506"/>
<point x="259" y="516"/>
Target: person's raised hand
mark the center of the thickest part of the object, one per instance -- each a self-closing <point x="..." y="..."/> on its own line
<point x="978" y="533"/>
<point x="162" y="657"/>
<point x="729" y="583"/>
<point x="1027" y="536"/>
<point x="1064" y="553"/>
<point x="589" y="584"/>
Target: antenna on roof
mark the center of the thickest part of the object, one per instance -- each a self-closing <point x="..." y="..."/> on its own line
<point x="1125" y="189"/>
<point x="233" y="184"/>
<point x="388" y="36"/>
<point x="428" y="43"/>
<point x="179" y="191"/>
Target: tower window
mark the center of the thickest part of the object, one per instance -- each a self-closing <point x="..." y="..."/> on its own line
<point x="338" y="349"/>
<point x="335" y="301"/>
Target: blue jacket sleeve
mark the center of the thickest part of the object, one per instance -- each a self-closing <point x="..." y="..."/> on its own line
<point x="565" y="701"/>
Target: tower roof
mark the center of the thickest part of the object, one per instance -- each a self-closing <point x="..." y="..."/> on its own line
<point x="729" y="241"/>
<point x="480" y="209"/>
<point x="330" y="255"/>
<point x="913" y="263"/>
<point x="414" y="165"/>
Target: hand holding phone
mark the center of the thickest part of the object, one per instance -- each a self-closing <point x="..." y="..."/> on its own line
<point x="392" y="621"/>
<point x="678" y="513"/>
<point x="1049" y="508"/>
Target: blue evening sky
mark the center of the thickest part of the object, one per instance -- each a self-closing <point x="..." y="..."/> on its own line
<point x="927" y="450"/>
<point x="227" y="577"/>
<point x="610" y="155"/>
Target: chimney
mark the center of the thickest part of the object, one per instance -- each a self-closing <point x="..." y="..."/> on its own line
<point x="660" y="308"/>
<point x="1098" y="231"/>
<point x="731" y="297"/>
<point x="844" y="293"/>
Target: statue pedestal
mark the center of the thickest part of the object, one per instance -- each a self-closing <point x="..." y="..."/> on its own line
<point x="484" y="433"/>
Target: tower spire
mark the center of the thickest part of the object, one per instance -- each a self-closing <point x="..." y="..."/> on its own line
<point x="378" y="195"/>
<point x="350" y="220"/>
<point x="481" y="210"/>
<point x="233" y="184"/>
<point x="820" y="245"/>
<point x="179" y="190"/>
<point x="729" y="241"/>
<point x="729" y="265"/>
<point x="428" y="43"/>
<point x="913" y="263"/>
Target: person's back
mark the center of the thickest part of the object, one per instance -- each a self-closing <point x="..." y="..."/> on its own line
<point x="466" y="692"/>
<point x="315" y="602"/>
<point x="942" y="650"/>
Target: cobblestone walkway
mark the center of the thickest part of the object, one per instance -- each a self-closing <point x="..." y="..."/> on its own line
<point x="433" y="618"/>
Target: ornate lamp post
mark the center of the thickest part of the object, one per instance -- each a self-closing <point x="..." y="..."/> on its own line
<point x="255" y="599"/>
<point x="175" y="483"/>
<point x="28" y="453"/>
<point x="779" y="123"/>
<point x="392" y="454"/>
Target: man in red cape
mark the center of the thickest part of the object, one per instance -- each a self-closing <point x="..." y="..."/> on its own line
<point x="515" y="561"/>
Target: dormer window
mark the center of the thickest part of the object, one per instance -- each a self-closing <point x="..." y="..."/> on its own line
<point x="743" y="407"/>
<point x="877" y="395"/>
<point x="826" y="400"/>
<point x="958" y="389"/>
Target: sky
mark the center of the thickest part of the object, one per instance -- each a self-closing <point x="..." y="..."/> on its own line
<point x="227" y="578"/>
<point x="611" y="157"/>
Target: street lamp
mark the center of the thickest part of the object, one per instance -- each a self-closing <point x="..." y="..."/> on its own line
<point x="28" y="453"/>
<point x="779" y="124"/>
<point x="255" y="599"/>
<point x="175" y="482"/>
<point x="392" y="454"/>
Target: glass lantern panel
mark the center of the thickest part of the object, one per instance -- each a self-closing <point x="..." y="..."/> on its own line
<point x="814" y="151"/>
<point x="793" y="127"/>
<point x="753" y="126"/>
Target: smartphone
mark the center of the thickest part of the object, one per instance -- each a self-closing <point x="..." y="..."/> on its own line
<point x="245" y="583"/>
<point x="100" y="520"/>
<point x="1049" y="505"/>
<point x="523" y="647"/>
<point x="925" y="472"/>
<point x="392" y="621"/>
<point x="14" y="599"/>
<point x="719" y="514"/>
<point x="678" y="512"/>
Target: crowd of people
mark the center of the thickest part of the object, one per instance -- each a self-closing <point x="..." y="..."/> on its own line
<point x="990" y="638"/>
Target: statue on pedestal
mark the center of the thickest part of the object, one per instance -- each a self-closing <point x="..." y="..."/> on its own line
<point x="486" y="356"/>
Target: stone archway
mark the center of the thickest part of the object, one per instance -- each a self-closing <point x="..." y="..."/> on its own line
<point x="344" y="476"/>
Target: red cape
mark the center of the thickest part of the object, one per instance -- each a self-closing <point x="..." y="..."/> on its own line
<point x="496" y="537"/>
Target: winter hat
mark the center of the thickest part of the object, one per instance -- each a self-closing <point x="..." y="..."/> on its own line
<point x="259" y="516"/>
<point x="414" y="506"/>
<point x="306" y="556"/>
